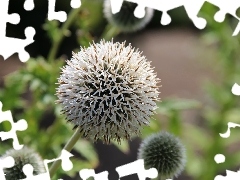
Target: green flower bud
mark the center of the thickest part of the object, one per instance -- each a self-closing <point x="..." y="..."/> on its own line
<point x="125" y="19"/>
<point x="164" y="152"/>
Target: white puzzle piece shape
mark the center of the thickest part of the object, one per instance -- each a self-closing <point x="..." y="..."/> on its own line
<point x="20" y="125"/>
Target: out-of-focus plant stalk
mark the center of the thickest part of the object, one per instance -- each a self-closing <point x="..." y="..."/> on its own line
<point x="109" y="32"/>
<point x="56" y="43"/>
<point x="69" y="146"/>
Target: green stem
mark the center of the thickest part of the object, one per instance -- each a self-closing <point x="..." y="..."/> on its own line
<point x="110" y="32"/>
<point x="175" y="123"/>
<point x="57" y="42"/>
<point x="69" y="146"/>
<point x="51" y="132"/>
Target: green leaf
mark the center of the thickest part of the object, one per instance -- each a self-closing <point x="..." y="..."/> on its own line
<point x="168" y="105"/>
<point x="124" y="146"/>
<point x="52" y="29"/>
<point x="86" y="149"/>
<point x="153" y="127"/>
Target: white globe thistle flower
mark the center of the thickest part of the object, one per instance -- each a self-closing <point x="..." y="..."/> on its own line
<point x="125" y="19"/>
<point x="108" y="91"/>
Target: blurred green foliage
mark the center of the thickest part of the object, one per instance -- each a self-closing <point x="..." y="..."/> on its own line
<point x="29" y="94"/>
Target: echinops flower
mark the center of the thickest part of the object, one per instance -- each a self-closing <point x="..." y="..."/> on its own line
<point x="164" y="152"/>
<point x="108" y="91"/>
<point x="21" y="158"/>
<point x="125" y="19"/>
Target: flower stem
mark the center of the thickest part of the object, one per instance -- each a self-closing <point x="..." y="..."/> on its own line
<point x="65" y="26"/>
<point x="110" y="32"/>
<point x="69" y="146"/>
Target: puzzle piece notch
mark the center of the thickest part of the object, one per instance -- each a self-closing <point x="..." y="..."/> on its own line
<point x="60" y="15"/>
<point x="67" y="164"/>
<point x="230" y="175"/>
<point x="5" y="17"/>
<point x="13" y="18"/>
<point x="87" y="173"/>
<point x="6" y="162"/>
<point x="28" y="171"/>
<point x="219" y="158"/>
<point x="52" y="14"/>
<point x="20" y="125"/>
<point x="236" y="89"/>
<point x="75" y="3"/>
<point x="226" y="7"/>
<point x="28" y="5"/>
<point x="139" y="11"/>
<point x="237" y="30"/>
<point x="65" y="158"/>
<point x="136" y="167"/>
<point x="227" y="133"/>
<point x="116" y="5"/>
<point x="13" y="45"/>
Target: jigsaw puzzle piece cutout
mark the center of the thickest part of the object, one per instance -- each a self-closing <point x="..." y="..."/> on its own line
<point x="230" y="175"/>
<point x="139" y="11"/>
<point x="236" y="89"/>
<point x="66" y="163"/>
<point x="227" y="133"/>
<point x="75" y="3"/>
<point x="13" y="18"/>
<point x="9" y="46"/>
<point x="20" y="125"/>
<point x="6" y="162"/>
<point x="192" y="9"/>
<point x="28" y="5"/>
<point x="116" y="5"/>
<point x="5" y="17"/>
<point x="162" y="5"/>
<point x="28" y="171"/>
<point x="53" y="15"/>
<point x="13" y="45"/>
<point x="87" y="173"/>
<point x="236" y="31"/>
<point x="225" y="7"/>
<point x="66" y="166"/>
<point x="219" y="158"/>
<point x="136" y="167"/>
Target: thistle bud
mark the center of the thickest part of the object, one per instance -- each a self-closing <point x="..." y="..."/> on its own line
<point x="22" y="157"/>
<point x="125" y="19"/>
<point x="164" y="152"/>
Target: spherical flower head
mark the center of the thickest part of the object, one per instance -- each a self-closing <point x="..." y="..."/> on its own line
<point x="21" y="158"/>
<point x="125" y="19"/>
<point x="108" y="91"/>
<point x="164" y="152"/>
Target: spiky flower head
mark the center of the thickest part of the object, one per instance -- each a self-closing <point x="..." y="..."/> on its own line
<point x="125" y="19"/>
<point x="21" y="158"/>
<point x="108" y="91"/>
<point x="164" y="152"/>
